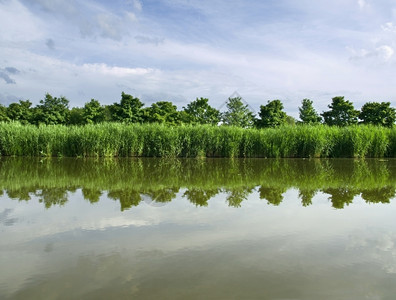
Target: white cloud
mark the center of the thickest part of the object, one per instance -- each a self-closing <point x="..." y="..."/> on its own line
<point x="389" y="27"/>
<point x="18" y="25"/>
<point x="102" y="49"/>
<point x="379" y="54"/>
<point x="137" y="4"/>
<point x="362" y="4"/>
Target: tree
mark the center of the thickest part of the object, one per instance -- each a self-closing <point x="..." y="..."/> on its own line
<point x="21" y="111"/>
<point x="308" y="114"/>
<point x="3" y="114"/>
<point x="200" y="112"/>
<point x="238" y="114"/>
<point x="341" y="113"/>
<point x="76" y="116"/>
<point x="162" y="112"/>
<point x="271" y="115"/>
<point x="378" y="114"/>
<point x="93" y="112"/>
<point x="52" y="110"/>
<point x="129" y="110"/>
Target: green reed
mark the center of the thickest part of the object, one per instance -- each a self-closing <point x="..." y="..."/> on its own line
<point x="156" y="140"/>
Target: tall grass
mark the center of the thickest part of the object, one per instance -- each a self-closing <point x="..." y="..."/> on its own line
<point x="155" y="140"/>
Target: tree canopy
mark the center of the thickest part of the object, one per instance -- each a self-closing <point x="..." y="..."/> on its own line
<point x="129" y="110"/>
<point x="308" y="114"/>
<point x="55" y="110"/>
<point x="378" y="114"/>
<point x="341" y="113"/>
<point x="272" y="115"/>
<point x="238" y="114"/>
<point x="200" y="112"/>
<point x="162" y="112"/>
<point x="52" y="110"/>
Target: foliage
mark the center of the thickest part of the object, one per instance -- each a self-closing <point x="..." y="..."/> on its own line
<point x="93" y="112"/>
<point x="76" y="116"/>
<point x="200" y="112"/>
<point x="128" y="180"/>
<point x="129" y="110"/>
<point x="52" y="110"/>
<point x="3" y="114"/>
<point x="381" y="114"/>
<point x="162" y="112"/>
<point x="237" y="114"/>
<point x="115" y="139"/>
<point x="341" y="113"/>
<point x="271" y="115"/>
<point x="21" y="111"/>
<point x="308" y="114"/>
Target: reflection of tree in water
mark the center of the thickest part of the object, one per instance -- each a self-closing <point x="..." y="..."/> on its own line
<point x="200" y="197"/>
<point x="22" y="194"/>
<point x="237" y="195"/>
<point x="274" y="196"/>
<point x="127" y="198"/>
<point x="306" y="196"/>
<point x="340" y="196"/>
<point x="379" y="195"/>
<point x="52" y="196"/>
<point x="163" y="195"/>
<point x="92" y="195"/>
<point x="160" y="179"/>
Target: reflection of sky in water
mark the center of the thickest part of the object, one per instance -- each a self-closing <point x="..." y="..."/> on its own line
<point x="179" y="251"/>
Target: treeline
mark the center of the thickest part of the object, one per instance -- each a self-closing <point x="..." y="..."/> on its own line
<point x="53" y="110"/>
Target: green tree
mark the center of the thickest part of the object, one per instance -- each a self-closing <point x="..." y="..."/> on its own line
<point x="238" y="114"/>
<point x="290" y="120"/>
<point x="93" y="112"/>
<point x="341" y="113"/>
<point x="76" y="116"/>
<point x="3" y="114"/>
<point x="308" y="114"/>
<point x="52" y="110"/>
<point x="162" y="112"/>
<point x="21" y="111"/>
<point x="129" y="109"/>
<point x="378" y="114"/>
<point x="271" y="115"/>
<point x="200" y="112"/>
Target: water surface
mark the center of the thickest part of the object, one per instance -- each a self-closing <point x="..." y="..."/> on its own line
<point x="197" y="229"/>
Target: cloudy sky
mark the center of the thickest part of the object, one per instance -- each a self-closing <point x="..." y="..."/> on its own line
<point x="178" y="50"/>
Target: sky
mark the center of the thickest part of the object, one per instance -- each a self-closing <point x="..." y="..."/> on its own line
<point x="179" y="50"/>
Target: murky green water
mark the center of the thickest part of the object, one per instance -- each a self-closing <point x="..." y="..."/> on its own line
<point x="197" y="229"/>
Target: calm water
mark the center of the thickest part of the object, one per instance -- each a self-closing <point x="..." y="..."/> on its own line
<point x="197" y="229"/>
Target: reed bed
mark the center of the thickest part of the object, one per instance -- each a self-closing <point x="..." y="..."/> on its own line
<point x="155" y="140"/>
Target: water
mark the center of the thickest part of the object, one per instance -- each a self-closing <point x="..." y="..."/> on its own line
<point x="197" y="229"/>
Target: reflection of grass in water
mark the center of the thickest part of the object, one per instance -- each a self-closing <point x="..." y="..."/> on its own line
<point x="126" y="180"/>
<point x="155" y="140"/>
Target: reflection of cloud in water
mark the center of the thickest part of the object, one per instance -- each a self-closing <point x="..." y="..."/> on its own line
<point x="5" y="219"/>
<point x="375" y="246"/>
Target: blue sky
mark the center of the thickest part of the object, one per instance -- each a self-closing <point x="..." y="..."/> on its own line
<point x="178" y="50"/>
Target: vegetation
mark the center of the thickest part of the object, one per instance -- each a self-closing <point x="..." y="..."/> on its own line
<point x="159" y="140"/>
<point x="127" y="128"/>
<point x="381" y="114"/>
<point x="341" y="113"/>
<point x="271" y="115"/>
<point x="308" y="114"/>
<point x="129" y="181"/>
<point x="130" y="109"/>
<point x="200" y="112"/>
<point x="238" y="114"/>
